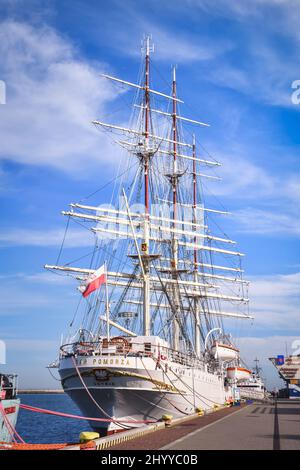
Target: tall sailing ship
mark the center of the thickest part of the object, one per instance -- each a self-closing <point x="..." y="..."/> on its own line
<point x="152" y="338"/>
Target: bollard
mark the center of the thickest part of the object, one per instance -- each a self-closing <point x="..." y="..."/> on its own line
<point x="86" y="436"/>
<point x="199" y="411"/>
<point x="87" y="440"/>
<point x="167" y="419"/>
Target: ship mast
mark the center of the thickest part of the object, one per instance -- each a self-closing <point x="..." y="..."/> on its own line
<point x="196" y="264"/>
<point x="145" y="244"/>
<point x="174" y="182"/>
<point x="147" y="112"/>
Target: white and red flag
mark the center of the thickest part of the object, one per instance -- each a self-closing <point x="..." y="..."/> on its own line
<point x="94" y="281"/>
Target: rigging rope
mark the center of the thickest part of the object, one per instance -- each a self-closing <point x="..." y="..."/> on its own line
<point x="63" y="241"/>
<point x="178" y="391"/>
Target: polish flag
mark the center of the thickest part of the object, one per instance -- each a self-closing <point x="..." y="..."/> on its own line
<point x="95" y="281"/>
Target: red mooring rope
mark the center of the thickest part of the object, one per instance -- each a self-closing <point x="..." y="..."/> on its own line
<point x="67" y="415"/>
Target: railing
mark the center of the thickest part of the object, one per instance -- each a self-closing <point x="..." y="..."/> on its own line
<point x="8" y="386"/>
<point x="122" y="346"/>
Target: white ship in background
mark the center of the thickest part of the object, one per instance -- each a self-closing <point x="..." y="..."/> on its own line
<point x="9" y="406"/>
<point x="251" y="384"/>
<point x="152" y="339"/>
<point x="289" y="370"/>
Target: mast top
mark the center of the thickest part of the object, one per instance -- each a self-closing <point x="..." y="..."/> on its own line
<point x="147" y="45"/>
<point x="174" y="73"/>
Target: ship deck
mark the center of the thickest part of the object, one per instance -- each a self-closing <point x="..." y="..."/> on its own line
<point x="258" y="426"/>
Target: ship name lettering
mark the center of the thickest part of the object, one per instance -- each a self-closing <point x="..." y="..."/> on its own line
<point x="112" y="361"/>
<point x="123" y="362"/>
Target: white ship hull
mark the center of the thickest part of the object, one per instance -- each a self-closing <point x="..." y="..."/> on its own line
<point x="252" y="392"/>
<point x="11" y="410"/>
<point x="139" y="394"/>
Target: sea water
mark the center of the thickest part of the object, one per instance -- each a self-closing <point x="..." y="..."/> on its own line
<point x="41" y="428"/>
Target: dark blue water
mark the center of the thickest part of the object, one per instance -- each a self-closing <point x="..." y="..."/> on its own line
<point x="40" y="428"/>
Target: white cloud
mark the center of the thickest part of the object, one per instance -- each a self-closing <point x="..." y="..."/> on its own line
<point x="37" y="295"/>
<point x="17" y="300"/>
<point x="275" y="302"/>
<point x="242" y="9"/>
<point x="267" y="222"/>
<point x="52" y="97"/>
<point x="174" y="45"/>
<point x="270" y="200"/>
<point x="242" y="177"/>
<point x="265" y="69"/>
<point x="292" y="188"/>
<point x="267" y="76"/>
<point x="41" y="277"/>
<point x="180" y="48"/>
<point x="44" y="238"/>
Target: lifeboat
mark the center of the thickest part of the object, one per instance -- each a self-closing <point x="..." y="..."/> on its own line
<point x="224" y="352"/>
<point x="238" y="373"/>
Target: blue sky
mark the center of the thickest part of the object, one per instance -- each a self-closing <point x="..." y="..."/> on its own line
<point x="236" y="62"/>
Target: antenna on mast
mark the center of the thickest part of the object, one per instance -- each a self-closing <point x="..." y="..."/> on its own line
<point x="174" y="67"/>
<point x="147" y="45"/>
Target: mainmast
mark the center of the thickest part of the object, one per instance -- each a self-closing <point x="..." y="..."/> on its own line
<point x="147" y="112"/>
<point x="195" y="201"/>
<point x="146" y="157"/>
<point x="196" y="265"/>
<point x="174" y="181"/>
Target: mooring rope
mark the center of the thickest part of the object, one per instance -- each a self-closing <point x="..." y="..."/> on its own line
<point x="68" y="415"/>
<point x="91" y="396"/>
